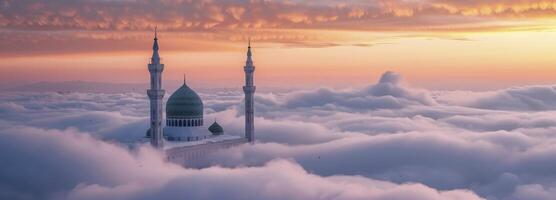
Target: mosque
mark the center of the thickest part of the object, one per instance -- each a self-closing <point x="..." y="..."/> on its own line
<point x="183" y="134"/>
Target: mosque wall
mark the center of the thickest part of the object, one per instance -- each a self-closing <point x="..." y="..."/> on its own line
<point x="189" y="155"/>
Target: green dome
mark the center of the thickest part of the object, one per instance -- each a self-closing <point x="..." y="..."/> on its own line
<point x="184" y="103"/>
<point x="216" y="129"/>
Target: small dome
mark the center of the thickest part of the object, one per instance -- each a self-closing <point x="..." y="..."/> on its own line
<point x="216" y="129"/>
<point x="184" y="103"/>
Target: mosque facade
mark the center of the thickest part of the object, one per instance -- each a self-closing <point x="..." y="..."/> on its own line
<point x="180" y="129"/>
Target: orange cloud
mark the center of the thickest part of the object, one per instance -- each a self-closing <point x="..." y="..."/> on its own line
<point x="356" y="13"/>
<point x="33" y="23"/>
<point x="220" y="15"/>
<point x="236" y="11"/>
<point x="181" y="15"/>
<point x="296" y="18"/>
<point x="498" y="8"/>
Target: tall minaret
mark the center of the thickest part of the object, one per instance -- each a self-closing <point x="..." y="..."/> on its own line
<point x="155" y="96"/>
<point x="249" y="90"/>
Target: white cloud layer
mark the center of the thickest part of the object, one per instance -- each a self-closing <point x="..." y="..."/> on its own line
<point x="52" y="164"/>
<point x="384" y="141"/>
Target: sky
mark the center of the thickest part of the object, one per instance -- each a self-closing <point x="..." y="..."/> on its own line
<point x="356" y="100"/>
<point x="436" y="44"/>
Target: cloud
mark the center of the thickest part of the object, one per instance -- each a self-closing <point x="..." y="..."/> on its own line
<point x="341" y="143"/>
<point x="496" y="7"/>
<point x="531" y="98"/>
<point x="50" y="164"/>
<point x="202" y="15"/>
<point x="10" y="107"/>
<point x="485" y="162"/>
<point x="282" y="131"/>
<point x="85" y="112"/>
<point x="387" y="94"/>
<point x="31" y="28"/>
<point x="524" y="98"/>
<point x="503" y="121"/>
<point x="534" y="192"/>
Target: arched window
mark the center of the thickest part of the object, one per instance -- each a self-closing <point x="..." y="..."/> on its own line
<point x="180" y="123"/>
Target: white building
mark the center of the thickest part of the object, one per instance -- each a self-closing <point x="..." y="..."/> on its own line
<point x="184" y="135"/>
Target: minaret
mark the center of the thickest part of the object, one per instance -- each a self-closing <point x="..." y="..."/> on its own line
<point x="249" y="90"/>
<point x="155" y="96"/>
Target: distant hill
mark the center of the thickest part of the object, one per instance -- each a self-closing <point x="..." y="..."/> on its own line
<point x="80" y="86"/>
<point x="103" y="87"/>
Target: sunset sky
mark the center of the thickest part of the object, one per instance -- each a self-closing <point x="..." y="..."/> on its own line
<point x="354" y="100"/>
<point x="437" y="44"/>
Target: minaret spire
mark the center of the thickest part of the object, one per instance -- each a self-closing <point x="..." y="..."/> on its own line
<point x="249" y="54"/>
<point x="156" y="93"/>
<point x="249" y="90"/>
<point x="155" y="59"/>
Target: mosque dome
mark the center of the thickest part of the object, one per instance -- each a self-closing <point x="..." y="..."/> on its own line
<point x="184" y="103"/>
<point x="216" y="129"/>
